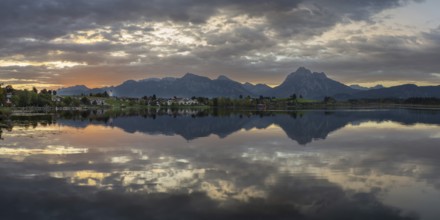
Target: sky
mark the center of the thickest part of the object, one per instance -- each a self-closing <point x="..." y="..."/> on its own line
<point x="60" y="43"/>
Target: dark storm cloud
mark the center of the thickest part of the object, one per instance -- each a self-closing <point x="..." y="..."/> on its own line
<point x="358" y="10"/>
<point x="244" y="51"/>
<point x="25" y="73"/>
<point x="391" y="58"/>
<point x="47" y="19"/>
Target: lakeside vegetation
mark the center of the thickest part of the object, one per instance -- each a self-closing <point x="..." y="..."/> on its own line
<point x="9" y="118"/>
<point x="13" y="100"/>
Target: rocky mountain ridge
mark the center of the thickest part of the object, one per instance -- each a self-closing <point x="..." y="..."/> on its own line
<point x="303" y="82"/>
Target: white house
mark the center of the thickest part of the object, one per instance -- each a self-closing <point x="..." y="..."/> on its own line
<point x="56" y="98"/>
<point x="8" y="98"/>
<point x="182" y="101"/>
<point x="187" y="101"/>
<point x="97" y="101"/>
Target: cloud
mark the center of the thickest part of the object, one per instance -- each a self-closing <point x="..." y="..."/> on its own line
<point x="46" y="19"/>
<point x="259" y="40"/>
<point x="385" y="58"/>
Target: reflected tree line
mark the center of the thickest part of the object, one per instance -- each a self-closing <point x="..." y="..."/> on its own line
<point x="301" y="126"/>
<point x="5" y="124"/>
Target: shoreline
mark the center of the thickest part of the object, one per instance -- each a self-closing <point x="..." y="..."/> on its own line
<point x="35" y="111"/>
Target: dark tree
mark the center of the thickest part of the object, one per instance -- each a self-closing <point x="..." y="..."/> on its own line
<point x="85" y="100"/>
<point x="9" y="89"/>
<point x="215" y="102"/>
<point x="329" y="100"/>
<point x="293" y="97"/>
<point x="68" y="101"/>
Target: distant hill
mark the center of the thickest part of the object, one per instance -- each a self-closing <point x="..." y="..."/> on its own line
<point x="82" y="89"/>
<point x="358" y="87"/>
<point x="74" y="90"/>
<point x="258" y="89"/>
<point x="310" y="85"/>
<point x="302" y="82"/>
<point x="401" y="92"/>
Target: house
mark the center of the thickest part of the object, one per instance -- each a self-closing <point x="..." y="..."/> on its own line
<point x="182" y="101"/>
<point x="8" y="98"/>
<point x="191" y="102"/>
<point x="261" y="106"/>
<point x="56" y="98"/>
<point x="97" y="101"/>
<point x="186" y="101"/>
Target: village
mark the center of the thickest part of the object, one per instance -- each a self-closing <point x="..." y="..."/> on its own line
<point x="15" y="98"/>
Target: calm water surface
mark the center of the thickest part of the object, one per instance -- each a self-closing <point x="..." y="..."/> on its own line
<point x="381" y="164"/>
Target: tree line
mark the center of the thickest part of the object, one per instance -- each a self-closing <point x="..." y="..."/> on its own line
<point x="25" y="97"/>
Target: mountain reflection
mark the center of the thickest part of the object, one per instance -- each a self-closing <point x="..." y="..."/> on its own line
<point x="303" y="127"/>
<point x="120" y="165"/>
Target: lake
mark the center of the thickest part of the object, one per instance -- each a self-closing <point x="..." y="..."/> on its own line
<point x="189" y="164"/>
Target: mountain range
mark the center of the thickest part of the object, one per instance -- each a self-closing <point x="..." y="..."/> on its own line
<point x="302" y="82"/>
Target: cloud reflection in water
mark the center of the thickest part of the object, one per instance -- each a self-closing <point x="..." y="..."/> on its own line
<point x="253" y="172"/>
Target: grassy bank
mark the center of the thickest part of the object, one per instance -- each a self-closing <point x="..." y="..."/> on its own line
<point x="5" y="112"/>
<point x="269" y="104"/>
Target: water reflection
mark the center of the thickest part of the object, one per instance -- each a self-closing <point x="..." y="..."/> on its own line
<point x="205" y="165"/>
<point x="303" y="127"/>
<point x="291" y="199"/>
